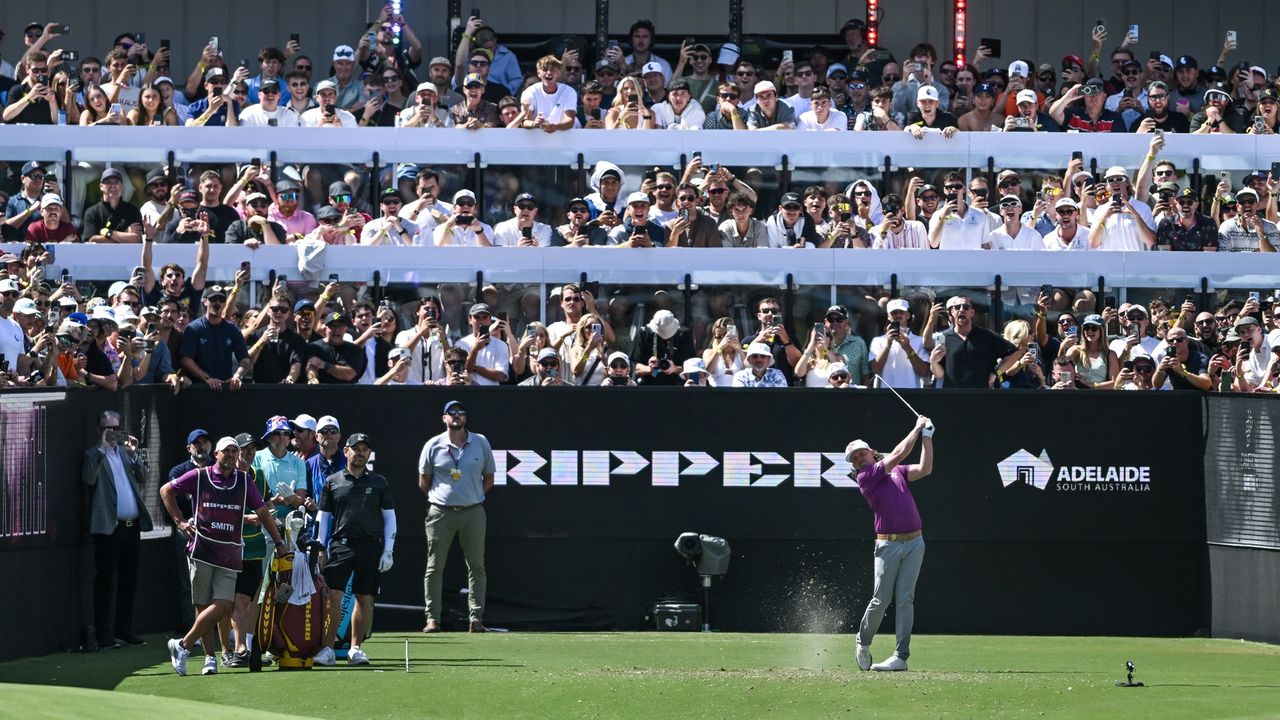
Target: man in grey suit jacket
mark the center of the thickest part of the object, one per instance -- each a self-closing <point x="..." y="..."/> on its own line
<point x="113" y="478"/>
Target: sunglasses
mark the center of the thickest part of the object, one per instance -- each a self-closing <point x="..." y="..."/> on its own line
<point x="465" y="202"/>
<point x="577" y="210"/>
<point x="890" y="78"/>
<point x="549" y="363"/>
<point x="479" y="63"/>
<point x="573" y="68"/>
<point x="1175" y="340"/>
<point x="1010" y="183"/>
<point x="269" y="91"/>
<point x="619" y="365"/>
<point x="340" y="198"/>
<point x="1066" y="211"/>
<point x="837" y="76"/>
<point x="717" y="191"/>
<point x="1161" y="96"/>
<point x="1067" y="321"/>
<point x="962" y="306"/>
<point x="929" y="198"/>
<point x="793" y="207"/>
<point x="728" y="96"/>
<point x="526" y="206"/>
<point x="664" y="186"/>
<point x="259" y="203"/>
<point x="1210" y="321"/>
<point x="862" y="193"/>
<point x="279" y="309"/>
<point x="1010" y="204"/>
<point x="839" y="376"/>
<point x="957" y="187"/>
<point x="807" y="73"/>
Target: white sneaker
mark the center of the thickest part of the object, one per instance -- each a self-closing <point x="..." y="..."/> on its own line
<point x="178" y="656"/>
<point x="864" y="657"/>
<point x="325" y="657"/>
<point x="893" y="664"/>
<point x="210" y="665"/>
<point x="356" y="656"/>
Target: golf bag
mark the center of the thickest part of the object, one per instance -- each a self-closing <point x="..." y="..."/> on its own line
<point x="293" y="633"/>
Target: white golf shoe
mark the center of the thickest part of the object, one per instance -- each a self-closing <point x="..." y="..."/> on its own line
<point x="210" y="665"/>
<point x="893" y="664"/>
<point x="356" y="656"/>
<point x="325" y="657"/>
<point x="178" y="656"/>
<point x="864" y="657"/>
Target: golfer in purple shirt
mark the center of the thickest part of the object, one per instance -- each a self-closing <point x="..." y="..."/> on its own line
<point x="883" y="481"/>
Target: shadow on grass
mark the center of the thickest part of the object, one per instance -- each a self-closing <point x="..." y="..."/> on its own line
<point x="103" y="670"/>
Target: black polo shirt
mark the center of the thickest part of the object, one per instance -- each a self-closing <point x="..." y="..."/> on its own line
<point x="347" y="354"/>
<point x="356" y="503"/>
<point x="102" y="216"/>
<point x="971" y="360"/>
<point x="278" y="356"/>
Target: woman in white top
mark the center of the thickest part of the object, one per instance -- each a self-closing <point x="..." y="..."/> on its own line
<point x="817" y="360"/>
<point x="725" y="356"/>
<point x="585" y="350"/>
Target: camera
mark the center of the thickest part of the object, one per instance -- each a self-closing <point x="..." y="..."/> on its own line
<point x="664" y="364"/>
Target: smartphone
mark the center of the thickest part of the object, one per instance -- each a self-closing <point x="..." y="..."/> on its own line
<point x="244" y="62"/>
<point x="1100" y="23"/>
<point x="881" y="55"/>
<point x="333" y="277"/>
<point x="1133" y="330"/>
<point x="1231" y="36"/>
<point x="140" y="38"/>
<point x="640" y="229"/>
<point x="1064" y="376"/>
<point x="484" y="331"/>
<point x="1077" y="155"/>
<point x="475" y="12"/>
<point x="1133" y="30"/>
<point x="256" y="162"/>
<point x="648" y="174"/>
<point x="526" y="232"/>
<point x="1109" y="301"/>
<point x="1259" y="124"/>
<point x="4" y="363"/>
<point x="788" y="56"/>
<point x="613" y="44"/>
<point x="294" y="37"/>
<point x="213" y="43"/>
<point x="1073" y="331"/>
<point x="1256" y="297"/>
<point x="697" y="154"/>
<point x="115" y="107"/>
<point x="992" y="44"/>
<point x="272" y="122"/>
<point x="819" y="330"/>
<point x="531" y="330"/>
<point x="70" y="55"/>
<point x="244" y="266"/>
<point x="1047" y="291"/>
<point x="683" y="214"/>
<point x="596" y="329"/>
<point x="66" y="30"/>
<point x="164" y="43"/>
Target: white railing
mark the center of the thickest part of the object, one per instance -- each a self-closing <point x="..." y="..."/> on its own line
<point x="938" y="268"/>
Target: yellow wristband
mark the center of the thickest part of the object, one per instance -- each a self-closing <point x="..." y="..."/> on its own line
<point x="201" y="67"/>
<point x="469" y="37"/>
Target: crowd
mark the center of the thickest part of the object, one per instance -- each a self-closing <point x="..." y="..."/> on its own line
<point x="850" y="86"/>
<point x="170" y="326"/>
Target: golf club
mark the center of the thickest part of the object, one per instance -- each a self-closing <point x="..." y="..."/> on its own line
<point x="886" y="384"/>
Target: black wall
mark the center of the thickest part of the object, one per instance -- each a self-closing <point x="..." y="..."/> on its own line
<point x="1092" y="559"/>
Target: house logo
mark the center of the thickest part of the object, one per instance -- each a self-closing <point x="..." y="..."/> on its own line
<point x="1039" y="472"/>
<point x="1023" y="467"/>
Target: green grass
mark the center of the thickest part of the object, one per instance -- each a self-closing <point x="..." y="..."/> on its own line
<point x="666" y="675"/>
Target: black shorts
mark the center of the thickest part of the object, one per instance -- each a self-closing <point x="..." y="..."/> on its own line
<point x="250" y="578"/>
<point x="358" y="557"/>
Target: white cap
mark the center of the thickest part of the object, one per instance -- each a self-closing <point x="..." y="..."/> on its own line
<point x="619" y="355"/>
<point x="651" y="67"/>
<point x="546" y="353"/>
<point x="326" y="85"/>
<point x="764" y="86"/>
<point x="50" y="199"/>
<point x="398" y="352"/>
<point x="427" y="87"/>
<point x="1082" y="174"/>
<point x="225" y="442"/>
<point x="344" y="52"/>
<point x="1027" y="96"/>
<point x="898" y="304"/>
<point x="304" y="422"/>
<point x="836" y="368"/>
<point x="759" y="349"/>
<point x="854" y="447"/>
<point x="1066" y="202"/>
<point x="1115" y="170"/>
<point x="729" y="54"/>
<point x="638" y="196"/>
<point x="116" y="288"/>
<point x="463" y="193"/>
<point x="926" y="92"/>
<point x="126" y="316"/>
<point x="26" y="306"/>
<point x="694" y="366"/>
<point x="1018" y="67"/>
<point x="329" y="420"/>
<point x="102" y="312"/>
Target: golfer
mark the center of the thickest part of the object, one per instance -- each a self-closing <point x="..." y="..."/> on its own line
<point x="883" y="481"/>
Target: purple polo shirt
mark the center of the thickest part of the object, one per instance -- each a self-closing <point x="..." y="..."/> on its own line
<point x="890" y="498"/>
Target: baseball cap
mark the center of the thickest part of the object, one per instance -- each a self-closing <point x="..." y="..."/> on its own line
<point x="1140" y="308"/>
<point x="357" y="438"/>
<point x="340" y="188"/>
<point x="479" y="308"/>
<point x="522" y="197"/>
<point x="1093" y="319"/>
<point x="1246" y="191"/>
<point x="256" y="196"/>
<point x="1070" y="61"/>
<point x="213" y="291"/>
<point x="546" y="353"/>
<point x="1167" y="187"/>
<point x="473" y="79"/>
<point x="651" y="67"/>
<point x="791" y="198"/>
<point x="1186" y="61"/>
<point x="326" y="85"/>
<point x="758" y="349"/>
<point x="1115" y="171"/>
<point x="1130" y="63"/>
<point x="440" y="60"/>
<point x="1217" y="88"/>
<point x="837" y="310"/>
<point x="50" y="199"/>
<point x="111" y="173"/>
<point x="195" y="435"/>
<point x="1187" y="193"/>
<point x="9" y="257"/>
<point x="287" y="186"/>
<point x="1010" y="198"/>
<point x="619" y="355"/>
<point x="31" y="166"/>
<point x="1027" y="96"/>
<point x="244" y="440"/>
<point x="1245" y="321"/>
<point x="854" y="447"/>
<point x="606" y="63"/>
<point x="225" y="442"/>
<point x="303" y="422"/>
<point x="984" y="88"/>
<point x="638" y="196"/>
<point x="837" y="67"/>
<point x="188" y="196"/>
<point x="26" y="306"/>
<point x="463" y="193"/>
<point x="926" y="92"/>
<point x="336" y="318"/>
<point x="214" y="73"/>
<point x="151" y="311"/>
<point x="328" y="212"/>
<point x="427" y="87"/>
<point x="764" y="86"/>
<point x="388" y="193"/>
<point x="161" y="80"/>
<point x="344" y="52"/>
<point x="1139" y="355"/>
<point x="303" y="303"/>
<point x="1018" y="67"/>
<point x="328" y="421"/>
<point x="453" y="405"/>
<point x="269" y="85"/>
<point x="1165" y="60"/>
<point x="1066" y="202"/>
<point x="897" y="304"/>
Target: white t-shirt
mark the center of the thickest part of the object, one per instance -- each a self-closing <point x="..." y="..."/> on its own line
<point x="691" y="119"/>
<point x="494" y="356"/>
<point x="808" y="120"/>
<point x="427" y="357"/>
<point x="666" y="66"/>
<point x="11" y="341"/>
<point x="1149" y="344"/>
<point x="128" y="98"/>
<point x="255" y="116"/>
<point x="460" y="236"/>
<point x="557" y="330"/>
<point x="443" y="118"/>
<point x="507" y="233"/>
<point x="551" y="106"/>
<point x="963" y="233"/>
<point x="1053" y="239"/>
<point x="374" y="229"/>
<point x="660" y="216"/>
<point x="312" y="118"/>
<point x="1121" y="232"/>
<point x="1027" y="239"/>
<point x="897" y="369"/>
<point x="800" y="104"/>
